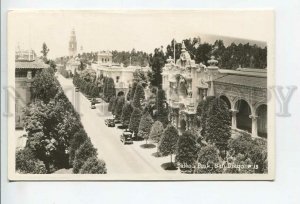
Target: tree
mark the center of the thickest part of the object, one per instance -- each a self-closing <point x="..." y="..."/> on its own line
<point x="78" y="139"/>
<point x="109" y="89"/>
<point x="45" y="51"/>
<point x="157" y="62"/>
<point x="119" y="106"/>
<point x="126" y="113"/>
<point x="132" y="92"/>
<point x="93" y="166"/>
<point x="111" y="103"/>
<point x="208" y="159"/>
<point x="44" y="86"/>
<point x="156" y="131"/>
<point x="145" y="126"/>
<point x="85" y="151"/>
<point x="27" y="162"/>
<point x="255" y="150"/>
<point x="94" y="91"/>
<point x="203" y="110"/>
<point x="162" y="108"/>
<point x="187" y="149"/>
<point x="168" y="142"/>
<point x="135" y="120"/>
<point x="218" y="130"/>
<point x="138" y="96"/>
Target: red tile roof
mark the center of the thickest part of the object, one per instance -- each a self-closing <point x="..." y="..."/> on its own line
<point x="250" y="81"/>
<point x="37" y="64"/>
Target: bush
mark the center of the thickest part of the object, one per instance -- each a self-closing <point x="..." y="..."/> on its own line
<point x="208" y="158"/>
<point x="85" y="151"/>
<point x="93" y="166"/>
<point x="27" y="163"/>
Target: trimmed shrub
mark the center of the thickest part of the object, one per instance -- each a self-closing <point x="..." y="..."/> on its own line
<point x="119" y="106"/>
<point x="126" y="113"/>
<point x="27" y="163"/>
<point x="187" y="149"/>
<point x="145" y="126"/>
<point x="85" y="151"/>
<point x="156" y="131"/>
<point x="208" y="158"/>
<point x="138" y="96"/>
<point x="93" y="166"/>
<point x="135" y="120"/>
<point x="168" y="142"/>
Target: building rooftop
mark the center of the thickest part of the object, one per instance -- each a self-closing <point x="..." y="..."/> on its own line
<point x="245" y="72"/>
<point x="244" y="80"/>
<point x="36" y="64"/>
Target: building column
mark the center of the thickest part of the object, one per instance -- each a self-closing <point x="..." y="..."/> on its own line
<point x="233" y="118"/>
<point x="254" y="125"/>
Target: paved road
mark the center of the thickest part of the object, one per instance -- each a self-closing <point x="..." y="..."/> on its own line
<point x="119" y="158"/>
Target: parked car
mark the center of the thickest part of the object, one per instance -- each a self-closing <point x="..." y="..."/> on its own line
<point x="93" y="106"/>
<point x="76" y="89"/>
<point x="110" y="122"/>
<point x="117" y="121"/>
<point x="126" y="138"/>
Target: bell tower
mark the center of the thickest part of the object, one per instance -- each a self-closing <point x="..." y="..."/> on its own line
<point x="73" y="44"/>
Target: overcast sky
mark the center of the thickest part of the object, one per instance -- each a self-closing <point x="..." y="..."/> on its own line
<point x="99" y="30"/>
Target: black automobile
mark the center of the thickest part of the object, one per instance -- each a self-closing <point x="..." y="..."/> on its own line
<point x="126" y="138"/>
<point x="110" y="122"/>
<point x="93" y="104"/>
<point x="117" y="121"/>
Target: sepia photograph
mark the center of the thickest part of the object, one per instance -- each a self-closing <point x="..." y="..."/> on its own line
<point x="141" y="95"/>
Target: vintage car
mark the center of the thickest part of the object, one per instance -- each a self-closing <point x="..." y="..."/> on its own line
<point x="110" y="122"/>
<point x="126" y="138"/>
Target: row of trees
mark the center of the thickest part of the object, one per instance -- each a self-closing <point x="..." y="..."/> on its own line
<point x="88" y="88"/>
<point x="135" y="58"/>
<point x="211" y="150"/>
<point x="230" y="57"/>
<point x="55" y="136"/>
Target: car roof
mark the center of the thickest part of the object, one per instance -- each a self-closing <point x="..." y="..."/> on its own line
<point x="127" y="133"/>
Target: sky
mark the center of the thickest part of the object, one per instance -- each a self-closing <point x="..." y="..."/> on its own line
<point x="125" y="30"/>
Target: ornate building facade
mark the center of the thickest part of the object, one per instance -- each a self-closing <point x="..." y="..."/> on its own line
<point x="27" y="66"/>
<point x="244" y="91"/>
<point x="122" y="76"/>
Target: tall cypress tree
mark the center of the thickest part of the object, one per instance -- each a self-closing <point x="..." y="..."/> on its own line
<point x="135" y="120"/>
<point x="168" y="142"/>
<point x="218" y="129"/>
<point x="138" y="96"/>
<point x="162" y="109"/>
<point x="145" y="126"/>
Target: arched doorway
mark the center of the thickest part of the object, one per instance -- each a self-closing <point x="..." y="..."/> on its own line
<point x="226" y="100"/>
<point x="243" y="121"/>
<point x="262" y="124"/>
<point x="120" y="93"/>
